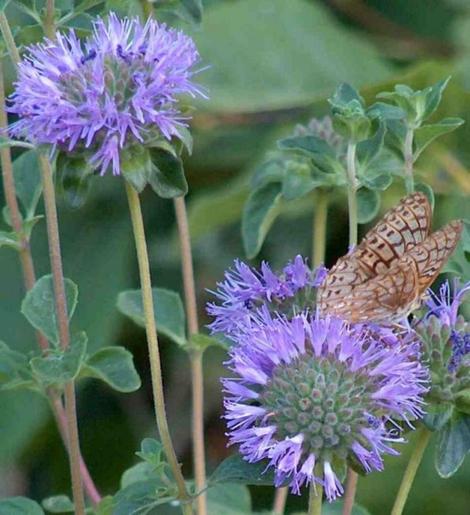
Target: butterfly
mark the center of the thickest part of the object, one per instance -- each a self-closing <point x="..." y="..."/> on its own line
<point x="387" y="274"/>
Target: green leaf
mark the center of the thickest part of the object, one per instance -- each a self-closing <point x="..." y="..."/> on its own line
<point x="61" y="366"/>
<point x="138" y="498"/>
<point x="203" y="341"/>
<point x="136" y="166"/>
<point x="452" y="445"/>
<point x="344" y="96"/>
<point x="38" y="306"/>
<point x="19" y="506"/>
<point x="114" y="366"/>
<point x="9" y="239"/>
<point x="105" y="506"/>
<point x="229" y="499"/>
<point x="270" y="171"/>
<point x="235" y="469"/>
<point x="309" y="145"/>
<point x="151" y="451"/>
<point x="167" y="178"/>
<point x="384" y="112"/>
<point x="75" y="175"/>
<point x="437" y="415"/>
<point x="369" y="149"/>
<point x="139" y="472"/>
<point x="169" y="312"/>
<point x="58" y="504"/>
<point x="3" y="4"/>
<point x="368" y="205"/>
<point x="298" y="181"/>
<point x="259" y="213"/>
<point x="27" y="177"/>
<point x="14" y="370"/>
<point x="433" y="96"/>
<point x="426" y="134"/>
<point x="379" y="182"/>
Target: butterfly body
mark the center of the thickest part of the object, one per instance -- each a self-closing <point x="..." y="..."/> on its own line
<point x="387" y="274"/>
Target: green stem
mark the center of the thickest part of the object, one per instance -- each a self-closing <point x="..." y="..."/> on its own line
<point x="352" y="189"/>
<point x="417" y="454"/>
<point x="73" y="443"/>
<point x="26" y="258"/>
<point x="319" y="228"/>
<point x="280" y="499"/>
<point x="409" y="161"/>
<point x="152" y="340"/>
<point x="8" y="38"/>
<point x="315" y="499"/>
<point x="49" y="20"/>
<point x="195" y="356"/>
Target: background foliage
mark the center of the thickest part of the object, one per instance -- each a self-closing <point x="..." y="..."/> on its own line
<point x="272" y="64"/>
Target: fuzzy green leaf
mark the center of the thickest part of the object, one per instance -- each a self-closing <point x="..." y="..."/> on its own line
<point x="58" y="504"/>
<point x="259" y="213"/>
<point x="167" y="178"/>
<point x="38" y="306"/>
<point x="426" y="134"/>
<point x="368" y="205"/>
<point x="427" y="190"/>
<point x="169" y="312"/>
<point x="75" y="177"/>
<point x="235" y="469"/>
<point x="114" y="366"/>
<point x="452" y="445"/>
<point x="28" y="185"/>
<point x="61" y="366"/>
<point x="8" y="239"/>
<point x="229" y="499"/>
<point x="19" y="506"/>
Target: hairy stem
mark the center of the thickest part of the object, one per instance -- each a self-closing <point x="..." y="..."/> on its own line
<point x="73" y="444"/>
<point x="409" y="161"/>
<point x="417" y="454"/>
<point x="29" y="278"/>
<point x="319" y="228"/>
<point x="351" y="486"/>
<point x="352" y="189"/>
<point x="315" y="496"/>
<point x="8" y="38"/>
<point x="195" y="355"/>
<point x="280" y="499"/>
<point x="152" y="340"/>
<point x="49" y="20"/>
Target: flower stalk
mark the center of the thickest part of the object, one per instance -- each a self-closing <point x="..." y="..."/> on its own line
<point x="26" y="258"/>
<point x="49" y="19"/>
<point x="280" y="499"/>
<point x="424" y="435"/>
<point x="319" y="228"/>
<point x="351" y="487"/>
<point x="315" y="494"/>
<point x="352" y="189"/>
<point x="73" y="444"/>
<point x="195" y="355"/>
<point x="408" y="157"/>
<point x="152" y="340"/>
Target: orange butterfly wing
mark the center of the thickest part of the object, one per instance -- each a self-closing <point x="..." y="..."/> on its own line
<point x="404" y="226"/>
<point x="393" y="293"/>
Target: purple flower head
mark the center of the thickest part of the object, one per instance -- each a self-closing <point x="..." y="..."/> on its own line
<point x="444" y="331"/>
<point x="245" y="290"/>
<point x="310" y="393"/>
<point x="445" y="305"/>
<point x="117" y="89"/>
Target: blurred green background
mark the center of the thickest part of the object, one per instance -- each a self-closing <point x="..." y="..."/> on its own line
<point x="272" y="64"/>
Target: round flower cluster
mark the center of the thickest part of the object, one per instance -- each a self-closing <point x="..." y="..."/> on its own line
<point x="246" y="289"/>
<point x="311" y="393"/>
<point x="446" y="346"/>
<point x="119" y="88"/>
